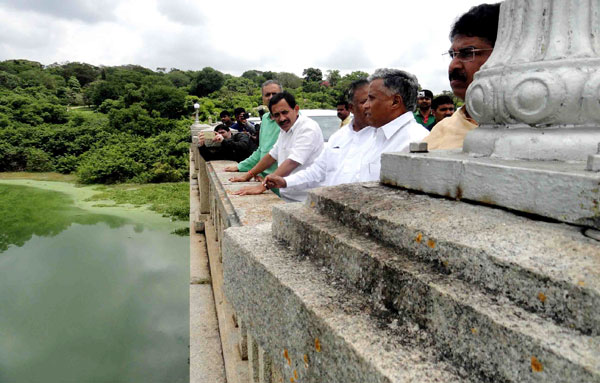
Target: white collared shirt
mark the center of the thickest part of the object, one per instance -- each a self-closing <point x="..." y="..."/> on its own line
<point x="340" y="162"/>
<point x="395" y="136"/>
<point x="302" y="143"/>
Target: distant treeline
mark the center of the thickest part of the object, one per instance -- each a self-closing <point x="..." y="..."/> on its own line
<point x="127" y="123"/>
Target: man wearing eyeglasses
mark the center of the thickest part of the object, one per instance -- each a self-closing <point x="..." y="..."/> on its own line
<point x="269" y="132"/>
<point x="473" y="37"/>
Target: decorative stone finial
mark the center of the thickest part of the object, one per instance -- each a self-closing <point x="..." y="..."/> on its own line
<point x="538" y="95"/>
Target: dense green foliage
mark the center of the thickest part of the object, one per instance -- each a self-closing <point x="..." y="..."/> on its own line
<point x="128" y="123"/>
<point x="169" y="199"/>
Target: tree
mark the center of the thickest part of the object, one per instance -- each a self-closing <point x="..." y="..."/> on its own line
<point x="255" y="76"/>
<point x="312" y="75"/>
<point x="179" y="79"/>
<point x="206" y="81"/>
<point x="333" y="77"/>
<point x="167" y="100"/>
<point x="289" y="80"/>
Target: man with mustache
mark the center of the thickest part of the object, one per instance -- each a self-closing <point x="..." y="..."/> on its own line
<point x="473" y="37"/>
<point x="269" y="132"/>
<point x="392" y="98"/>
<point x="341" y="160"/>
<point x="299" y="143"/>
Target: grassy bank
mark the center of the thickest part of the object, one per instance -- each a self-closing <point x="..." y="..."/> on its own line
<point x="168" y="199"/>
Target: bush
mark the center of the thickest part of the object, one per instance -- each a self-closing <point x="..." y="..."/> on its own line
<point x="37" y="161"/>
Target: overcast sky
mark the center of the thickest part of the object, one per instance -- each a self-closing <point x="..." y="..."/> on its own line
<point x="234" y="36"/>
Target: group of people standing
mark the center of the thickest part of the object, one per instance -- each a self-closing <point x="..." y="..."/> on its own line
<point x="389" y="112"/>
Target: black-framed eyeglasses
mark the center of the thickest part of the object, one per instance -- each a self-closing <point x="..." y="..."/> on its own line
<point x="466" y="54"/>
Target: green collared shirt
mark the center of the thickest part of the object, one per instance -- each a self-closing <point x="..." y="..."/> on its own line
<point x="269" y="132"/>
<point x="430" y="120"/>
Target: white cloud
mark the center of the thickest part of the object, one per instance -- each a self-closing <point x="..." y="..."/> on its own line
<point x="234" y="36"/>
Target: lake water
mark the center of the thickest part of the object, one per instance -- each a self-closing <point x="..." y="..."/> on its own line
<point x="88" y="296"/>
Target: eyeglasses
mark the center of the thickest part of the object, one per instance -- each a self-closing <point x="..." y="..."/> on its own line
<point x="466" y="54"/>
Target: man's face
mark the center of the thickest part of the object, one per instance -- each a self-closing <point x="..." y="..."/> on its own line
<point x="443" y="111"/>
<point x="240" y="118"/>
<point x="268" y="92"/>
<point x="424" y="103"/>
<point x="226" y="134"/>
<point x="342" y="112"/>
<point x="359" y="100"/>
<point x="378" y="107"/>
<point x="226" y="120"/>
<point x="461" y="73"/>
<point x="284" y="115"/>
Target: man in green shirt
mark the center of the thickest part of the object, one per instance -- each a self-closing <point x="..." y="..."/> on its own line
<point x="424" y="114"/>
<point x="269" y="132"/>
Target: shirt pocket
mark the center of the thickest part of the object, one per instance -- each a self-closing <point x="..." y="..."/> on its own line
<point x="334" y="160"/>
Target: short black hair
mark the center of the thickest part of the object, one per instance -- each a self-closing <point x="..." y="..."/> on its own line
<point x="285" y="95"/>
<point x="441" y="100"/>
<point x="354" y="86"/>
<point x="237" y="111"/>
<point x="221" y="127"/>
<point x="480" y="21"/>
<point x="343" y="101"/>
<point x="224" y="113"/>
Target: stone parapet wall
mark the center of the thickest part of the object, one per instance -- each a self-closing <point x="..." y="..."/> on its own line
<point x="368" y="283"/>
<point x="245" y="360"/>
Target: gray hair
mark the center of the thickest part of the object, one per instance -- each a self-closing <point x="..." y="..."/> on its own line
<point x="269" y="82"/>
<point x="354" y="86"/>
<point x="399" y="82"/>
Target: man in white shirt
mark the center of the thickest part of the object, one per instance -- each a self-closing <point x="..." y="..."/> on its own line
<point x="341" y="160"/>
<point x="392" y="98"/>
<point x="300" y="142"/>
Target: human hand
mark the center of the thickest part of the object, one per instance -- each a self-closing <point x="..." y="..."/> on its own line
<point x="218" y="138"/>
<point x="243" y="178"/>
<point x="201" y="139"/>
<point x="233" y="168"/>
<point x="251" y="190"/>
<point x="273" y="181"/>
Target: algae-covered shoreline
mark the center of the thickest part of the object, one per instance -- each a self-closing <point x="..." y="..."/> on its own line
<point x="157" y="205"/>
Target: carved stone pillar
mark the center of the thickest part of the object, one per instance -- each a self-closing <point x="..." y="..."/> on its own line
<point x="537" y="100"/>
<point x="538" y="95"/>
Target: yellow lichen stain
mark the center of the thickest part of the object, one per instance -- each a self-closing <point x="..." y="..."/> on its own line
<point x="581" y="283"/>
<point x="317" y="345"/>
<point x="287" y="356"/>
<point x="542" y="297"/>
<point x="430" y="243"/>
<point x="312" y="204"/>
<point x="536" y="365"/>
<point x="305" y="361"/>
<point x="419" y="238"/>
<point x="292" y="379"/>
<point x="295" y="374"/>
<point x="474" y="331"/>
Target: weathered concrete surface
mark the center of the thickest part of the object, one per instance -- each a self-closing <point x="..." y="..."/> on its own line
<point x="315" y="330"/>
<point x="478" y="330"/>
<point x="548" y="268"/>
<point x="561" y="191"/>
<point x="248" y="210"/>
<point x="236" y="368"/>
<point x="206" y="359"/>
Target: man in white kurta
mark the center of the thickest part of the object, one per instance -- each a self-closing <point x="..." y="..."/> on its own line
<point x="341" y="160"/>
<point x="300" y="142"/>
<point x="392" y="98"/>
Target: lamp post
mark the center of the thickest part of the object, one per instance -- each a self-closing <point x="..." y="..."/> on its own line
<point x="197" y="108"/>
